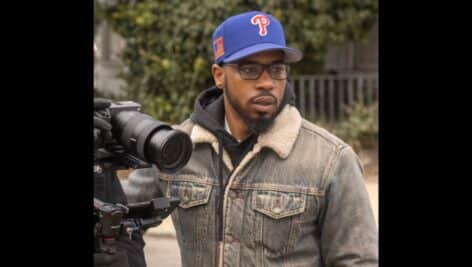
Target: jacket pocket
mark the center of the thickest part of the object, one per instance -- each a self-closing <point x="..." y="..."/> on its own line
<point x="191" y="194"/>
<point x="277" y="216"/>
<point x="191" y="218"/>
<point x="192" y="190"/>
<point x="278" y="205"/>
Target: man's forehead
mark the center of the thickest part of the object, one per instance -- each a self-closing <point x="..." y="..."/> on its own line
<point x="265" y="57"/>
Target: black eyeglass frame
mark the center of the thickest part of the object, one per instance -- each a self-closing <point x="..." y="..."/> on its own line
<point x="264" y="67"/>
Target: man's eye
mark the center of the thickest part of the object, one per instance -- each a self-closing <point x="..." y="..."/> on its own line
<point x="248" y="69"/>
<point x="278" y="68"/>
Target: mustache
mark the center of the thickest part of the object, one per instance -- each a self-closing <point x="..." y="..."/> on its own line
<point x="252" y="99"/>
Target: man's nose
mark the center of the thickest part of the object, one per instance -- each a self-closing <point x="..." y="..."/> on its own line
<point x="265" y="81"/>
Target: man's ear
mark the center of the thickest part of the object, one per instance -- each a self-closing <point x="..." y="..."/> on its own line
<point x="218" y="75"/>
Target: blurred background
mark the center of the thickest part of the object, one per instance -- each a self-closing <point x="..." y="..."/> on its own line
<point x="159" y="54"/>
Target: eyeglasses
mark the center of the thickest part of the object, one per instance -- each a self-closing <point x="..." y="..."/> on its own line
<point x="252" y="71"/>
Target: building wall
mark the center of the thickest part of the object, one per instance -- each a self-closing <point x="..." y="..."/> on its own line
<point x="108" y="63"/>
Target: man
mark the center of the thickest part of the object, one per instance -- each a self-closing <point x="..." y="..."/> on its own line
<point x="264" y="187"/>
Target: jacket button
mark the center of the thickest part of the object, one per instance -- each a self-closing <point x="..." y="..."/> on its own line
<point x="277" y="210"/>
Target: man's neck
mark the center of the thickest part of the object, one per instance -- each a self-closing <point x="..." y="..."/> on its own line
<point x="236" y="126"/>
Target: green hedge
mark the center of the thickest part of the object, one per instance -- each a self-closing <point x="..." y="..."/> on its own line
<point x="360" y="128"/>
<point x="169" y="50"/>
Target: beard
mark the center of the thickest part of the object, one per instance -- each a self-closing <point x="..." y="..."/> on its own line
<point x="254" y="125"/>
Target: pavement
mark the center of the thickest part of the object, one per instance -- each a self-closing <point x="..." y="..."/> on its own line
<point x="161" y="251"/>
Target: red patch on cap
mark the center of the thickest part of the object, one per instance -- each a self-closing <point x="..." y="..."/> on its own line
<point x="218" y="47"/>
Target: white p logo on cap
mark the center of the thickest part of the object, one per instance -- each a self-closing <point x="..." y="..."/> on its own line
<point x="262" y="21"/>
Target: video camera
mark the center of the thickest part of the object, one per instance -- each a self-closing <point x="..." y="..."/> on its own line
<point x="137" y="141"/>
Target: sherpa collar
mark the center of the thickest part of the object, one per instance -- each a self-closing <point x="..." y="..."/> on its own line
<point x="280" y="137"/>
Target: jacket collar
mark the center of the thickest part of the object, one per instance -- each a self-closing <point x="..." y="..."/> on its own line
<point x="280" y="137"/>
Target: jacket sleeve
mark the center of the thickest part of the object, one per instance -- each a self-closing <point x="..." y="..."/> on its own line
<point x="349" y="235"/>
<point x="141" y="185"/>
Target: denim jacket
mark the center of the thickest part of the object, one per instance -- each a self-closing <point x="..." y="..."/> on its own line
<point x="296" y="199"/>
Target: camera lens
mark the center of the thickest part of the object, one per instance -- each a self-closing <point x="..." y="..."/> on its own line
<point x="151" y="140"/>
<point x="169" y="149"/>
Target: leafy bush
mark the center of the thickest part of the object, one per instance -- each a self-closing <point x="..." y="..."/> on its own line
<point x="360" y="128"/>
<point x="169" y="49"/>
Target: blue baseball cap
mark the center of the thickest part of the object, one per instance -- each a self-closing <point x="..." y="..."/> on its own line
<point x="249" y="33"/>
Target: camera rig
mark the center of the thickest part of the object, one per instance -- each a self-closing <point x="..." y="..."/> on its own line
<point x="136" y="142"/>
<point x="112" y="221"/>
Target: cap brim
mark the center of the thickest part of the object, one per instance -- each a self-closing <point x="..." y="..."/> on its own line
<point x="291" y="55"/>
